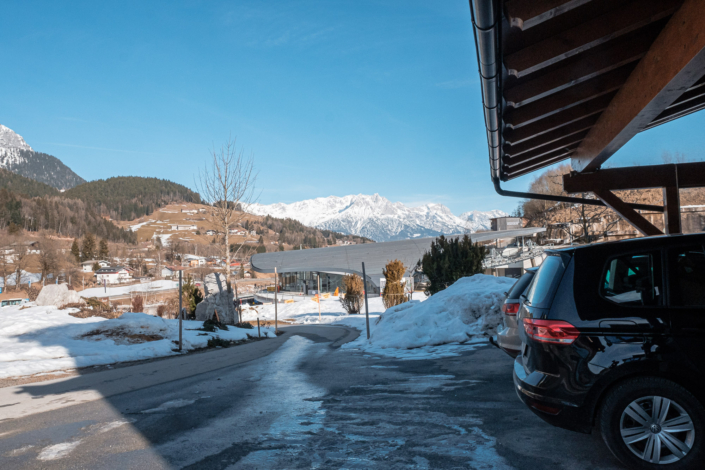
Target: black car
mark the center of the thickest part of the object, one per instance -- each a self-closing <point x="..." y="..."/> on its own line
<point x="613" y="338"/>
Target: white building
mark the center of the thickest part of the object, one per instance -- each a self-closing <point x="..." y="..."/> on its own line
<point x="184" y="227"/>
<point x="87" y="266"/>
<point x="210" y="232"/>
<point x="113" y="275"/>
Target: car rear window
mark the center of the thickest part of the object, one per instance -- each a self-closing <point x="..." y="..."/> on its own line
<point x="546" y="282"/>
<point x="520" y="286"/>
<point x="633" y="280"/>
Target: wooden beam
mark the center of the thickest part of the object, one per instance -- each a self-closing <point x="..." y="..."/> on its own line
<point x="589" y="110"/>
<point x="672" y="209"/>
<point x="570" y="142"/>
<point x="525" y="14"/>
<point x="635" y="219"/>
<point x="558" y="155"/>
<point x="583" y="67"/>
<point x="569" y="97"/>
<point x="683" y="175"/>
<point x="549" y="137"/>
<point x="675" y="61"/>
<point x="592" y="33"/>
<point x="543" y="164"/>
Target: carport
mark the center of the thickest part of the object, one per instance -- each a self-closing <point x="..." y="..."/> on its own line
<point x="577" y="79"/>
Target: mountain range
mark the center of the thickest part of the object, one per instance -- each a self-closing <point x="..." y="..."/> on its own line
<point x="377" y="218"/>
<point x="18" y="157"/>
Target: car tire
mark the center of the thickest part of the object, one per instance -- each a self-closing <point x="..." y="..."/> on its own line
<point x="633" y="398"/>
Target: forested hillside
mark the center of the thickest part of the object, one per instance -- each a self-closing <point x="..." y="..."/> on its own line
<point x="44" y="168"/>
<point x="130" y="197"/>
<point x="25" y="186"/>
<point x="293" y="232"/>
<point x="66" y="217"/>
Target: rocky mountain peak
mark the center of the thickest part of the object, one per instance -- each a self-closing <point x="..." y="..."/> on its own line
<point x="10" y="139"/>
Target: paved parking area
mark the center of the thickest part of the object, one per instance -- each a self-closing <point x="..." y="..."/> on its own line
<point x="306" y="404"/>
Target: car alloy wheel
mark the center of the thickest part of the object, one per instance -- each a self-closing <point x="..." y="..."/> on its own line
<point x="657" y="430"/>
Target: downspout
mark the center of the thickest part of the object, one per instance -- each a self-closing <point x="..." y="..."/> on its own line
<point x="486" y="20"/>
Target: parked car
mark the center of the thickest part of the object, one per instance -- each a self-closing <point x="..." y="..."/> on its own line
<point x="613" y="338"/>
<point x="508" y="338"/>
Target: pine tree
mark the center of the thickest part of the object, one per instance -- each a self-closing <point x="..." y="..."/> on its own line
<point x="103" y="251"/>
<point x="449" y="259"/>
<point x="88" y="247"/>
<point x="75" y="251"/>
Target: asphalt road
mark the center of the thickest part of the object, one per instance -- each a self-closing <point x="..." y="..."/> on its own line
<point x="297" y="401"/>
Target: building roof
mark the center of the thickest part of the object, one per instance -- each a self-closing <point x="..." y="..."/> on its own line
<point x="348" y="259"/>
<point x="577" y="79"/>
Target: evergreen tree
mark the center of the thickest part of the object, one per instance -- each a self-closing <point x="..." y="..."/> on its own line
<point x="103" y="251"/>
<point x="75" y="251"/>
<point x="192" y="295"/>
<point x="88" y="247"/>
<point x="261" y="249"/>
<point x="261" y="240"/>
<point x="449" y="259"/>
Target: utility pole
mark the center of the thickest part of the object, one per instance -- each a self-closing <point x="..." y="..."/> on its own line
<point x="367" y="310"/>
<point x="276" y="324"/>
<point x="181" y="312"/>
<point x="319" y="297"/>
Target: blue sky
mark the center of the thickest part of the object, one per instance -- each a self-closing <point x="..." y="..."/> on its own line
<point x="331" y="97"/>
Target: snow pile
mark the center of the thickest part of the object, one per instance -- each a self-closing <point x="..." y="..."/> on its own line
<point x="305" y="311"/>
<point x="153" y="286"/>
<point x="44" y="339"/>
<point x="25" y="278"/>
<point x="469" y="307"/>
<point x="57" y="295"/>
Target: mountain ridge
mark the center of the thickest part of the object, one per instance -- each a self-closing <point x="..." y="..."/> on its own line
<point x="376" y="217"/>
<point x="18" y="157"/>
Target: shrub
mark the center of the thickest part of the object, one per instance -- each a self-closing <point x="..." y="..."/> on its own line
<point x="137" y="304"/>
<point x="192" y="295"/>
<point x="354" y="290"/>
<point x="161" y="310"/>
<point x="393" y="293"/>
<point x="244" y="324"/>
<point x="449" y="259"/>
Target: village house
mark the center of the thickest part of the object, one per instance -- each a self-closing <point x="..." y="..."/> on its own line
<point x="171" y="271"/>
<point x="87" y="266"/>
<point x="210" y="232"/>
<point x="113" y="275"/>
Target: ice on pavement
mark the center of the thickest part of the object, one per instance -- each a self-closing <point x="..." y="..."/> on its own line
<point x="437" y="326"/>
<point x="43" y="339"/>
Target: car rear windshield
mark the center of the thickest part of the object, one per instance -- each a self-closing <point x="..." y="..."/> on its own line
<point x="546" y="282"/>
<point x="520" y="286"/>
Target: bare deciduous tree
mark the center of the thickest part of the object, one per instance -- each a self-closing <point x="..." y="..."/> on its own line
<point x="48" y="257"/>
<point x="227" y="184"/>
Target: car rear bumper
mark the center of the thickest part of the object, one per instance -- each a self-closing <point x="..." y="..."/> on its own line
<point x="509" y="341"/>
<point x="534" y="390"/>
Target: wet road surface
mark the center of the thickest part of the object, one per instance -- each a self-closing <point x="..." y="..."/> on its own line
<point x="301" y="402"/>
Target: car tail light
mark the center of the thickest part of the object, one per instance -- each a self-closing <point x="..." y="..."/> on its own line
<point x="510" y="308"/>
<point x="552" y="410"/>
<point x="550" y="331"/>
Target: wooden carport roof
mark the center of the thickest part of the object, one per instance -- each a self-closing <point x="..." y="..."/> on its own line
<point x="577" y="79"/>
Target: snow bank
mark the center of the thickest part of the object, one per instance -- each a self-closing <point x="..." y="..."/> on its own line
<point x="25" y="278"/>
<point x="469" y="307"/>
<point x="153" y="286"/>
<point x="58" y="295"/>
<point x="43" y="339"/>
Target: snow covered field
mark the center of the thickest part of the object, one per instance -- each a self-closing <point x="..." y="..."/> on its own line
<point x="154" y="286"/>
<point x="437" y="326"/>
<point x="43" y="339"/>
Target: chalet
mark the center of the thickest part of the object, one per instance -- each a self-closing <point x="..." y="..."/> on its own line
<point x="87" y="266"/>
<point x="193" y="261"/>
<point x="113" y="275"/>
<point x="210" y="232"/>
<point x="170" y="271"/>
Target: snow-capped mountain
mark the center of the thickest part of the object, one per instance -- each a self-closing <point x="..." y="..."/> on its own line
<point x="376" y="217"/>
<point x="480" y="220"/>
<point x="18" y="157"/>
